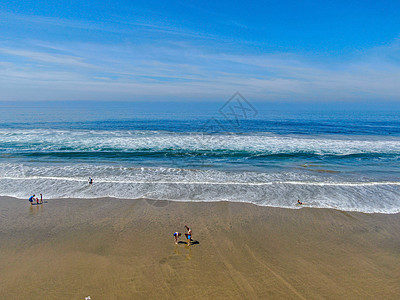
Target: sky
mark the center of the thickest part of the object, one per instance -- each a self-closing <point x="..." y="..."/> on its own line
<point x="200" y="50"/>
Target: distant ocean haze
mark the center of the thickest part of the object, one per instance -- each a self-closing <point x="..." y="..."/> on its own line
<point x="348" y="159"/>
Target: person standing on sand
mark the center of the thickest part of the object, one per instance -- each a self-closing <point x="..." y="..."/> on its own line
<point x="188" y="234"/>
<point x="176" y="236"/>
<point x="41" y="199"/>
<point x="31" y="198"/>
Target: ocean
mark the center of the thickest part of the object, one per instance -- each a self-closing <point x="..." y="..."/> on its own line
<point x="327" y="156"/>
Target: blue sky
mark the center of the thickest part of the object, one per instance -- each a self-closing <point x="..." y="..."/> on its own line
<point x="201" y="50"/>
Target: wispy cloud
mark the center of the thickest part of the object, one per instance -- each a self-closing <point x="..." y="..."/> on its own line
<point x="46" y="57"/>
<point x="170" y="68"/>
<point x="186" y="73"/>
<point x="113" y="25"/>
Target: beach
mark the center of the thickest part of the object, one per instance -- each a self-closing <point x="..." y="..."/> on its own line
<point x="268" y="132"/>
<point x="124" y="249"/>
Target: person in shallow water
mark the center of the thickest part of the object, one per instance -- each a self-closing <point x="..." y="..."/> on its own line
<point x="188" y="234"/>
<point x="31" y="199"/>
<point x="176" y="236"/>
<point x="90" y="180"/>
<point x="299" y="202"/>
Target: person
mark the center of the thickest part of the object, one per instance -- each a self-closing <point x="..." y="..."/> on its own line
<point x="176" y="236"/>
<point x="41" y="199"/>
<point x="299" y="202"/>
<point x="188" y="234"/>
<point x="31" y="199"/>
<point x="90" y="180"/>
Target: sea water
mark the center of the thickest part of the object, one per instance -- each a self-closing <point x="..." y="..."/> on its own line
<point x="327" y="157"/>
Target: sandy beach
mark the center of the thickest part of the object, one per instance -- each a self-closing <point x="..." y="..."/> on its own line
<point x="124" y="249"/>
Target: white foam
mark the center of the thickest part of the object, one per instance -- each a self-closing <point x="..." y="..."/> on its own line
<point x="121" y="181"/>
<point x="95" y="141"/>
<point x="266" y="189"/>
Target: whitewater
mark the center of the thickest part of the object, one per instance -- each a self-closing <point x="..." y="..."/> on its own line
<point x="344" y="162"/>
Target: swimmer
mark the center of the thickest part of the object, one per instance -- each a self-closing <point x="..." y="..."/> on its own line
<point x="90" y="180"/>
<point x="299" y="202"/>
<point x="188" y="234"/>
<point x="176" y="236"/>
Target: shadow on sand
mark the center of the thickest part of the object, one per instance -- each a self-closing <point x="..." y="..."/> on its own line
<point x="191" y="243"/>
<point x="39" y="203"/>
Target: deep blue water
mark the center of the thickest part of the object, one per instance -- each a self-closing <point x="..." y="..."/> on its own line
<point x="344" y="157"/>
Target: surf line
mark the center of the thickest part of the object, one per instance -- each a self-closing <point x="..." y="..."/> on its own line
<point x="396" y="183"/>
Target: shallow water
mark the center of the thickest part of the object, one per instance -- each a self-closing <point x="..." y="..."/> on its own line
<point x="347" y="160"/>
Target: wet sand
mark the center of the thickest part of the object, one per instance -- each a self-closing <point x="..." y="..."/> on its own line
<point x="124" y="249"/>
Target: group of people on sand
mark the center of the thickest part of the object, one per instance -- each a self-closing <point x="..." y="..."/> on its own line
<point x="188" y="235"/>
<point x="33" y="199"/>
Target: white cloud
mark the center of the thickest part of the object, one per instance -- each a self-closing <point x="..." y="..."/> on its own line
<point x="46" y="57"/>
<point x="184" y="71"/>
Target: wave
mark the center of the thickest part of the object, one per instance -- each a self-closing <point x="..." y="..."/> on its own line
<point x="84" y="179"/>
<point x="181" y="153"/>
<point x="279" y="189"/>
<point x="125" y="144"/>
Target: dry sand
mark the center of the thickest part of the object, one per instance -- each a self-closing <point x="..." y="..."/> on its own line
<point x="124" y="249"/>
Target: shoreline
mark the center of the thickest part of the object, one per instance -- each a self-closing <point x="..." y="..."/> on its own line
<point x="122" y="248"/>
<point x="208" y="201"/>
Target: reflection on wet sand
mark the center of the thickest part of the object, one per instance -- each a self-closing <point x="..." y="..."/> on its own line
<point x="187" y="250"/>
<point x="35" y="209"/>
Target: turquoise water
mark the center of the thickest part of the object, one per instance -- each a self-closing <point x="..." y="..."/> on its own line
<point x="345" y="158"/>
